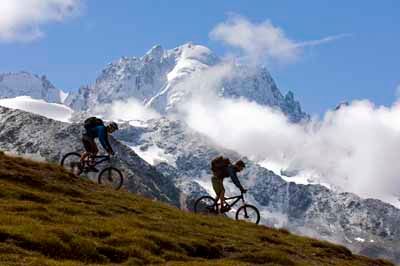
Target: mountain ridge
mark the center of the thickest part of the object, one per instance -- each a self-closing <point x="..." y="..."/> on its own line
<point x="158" y="78"/>
<point x="23" y="83"/>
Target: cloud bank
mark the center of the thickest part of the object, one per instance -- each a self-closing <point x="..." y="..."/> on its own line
<point x="263" y="41"/>
<point x="21" y="20"/>
<point x="355" y="148"/>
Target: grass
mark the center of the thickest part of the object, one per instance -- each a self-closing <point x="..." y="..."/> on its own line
<point x="50" y="217"/>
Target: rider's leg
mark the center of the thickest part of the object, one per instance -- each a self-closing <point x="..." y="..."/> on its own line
<point x="217" y="186"/>
<point x="86" y="141"/>
<point x="91" y="151"/>
<point x="84" y="156"/>
<point x="222" y="197"/>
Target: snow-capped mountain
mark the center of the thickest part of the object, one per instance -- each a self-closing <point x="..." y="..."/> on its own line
<point x="157" y="80"/>
<point x="26" y="84"/>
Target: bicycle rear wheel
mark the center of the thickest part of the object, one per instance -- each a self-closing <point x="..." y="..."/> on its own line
<point x="111" y="176"/>
<point x="248" y="213"/>
<point x="72" y="162"/>
<point x="205" y="205"/>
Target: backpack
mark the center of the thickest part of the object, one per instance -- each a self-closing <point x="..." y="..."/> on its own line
<point x="92" y="122"/>
<point x="219" y="167"/>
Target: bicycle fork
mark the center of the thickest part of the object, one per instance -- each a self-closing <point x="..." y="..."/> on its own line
<point x="245" y="210"/>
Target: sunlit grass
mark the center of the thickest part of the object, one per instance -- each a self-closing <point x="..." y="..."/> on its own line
<point x="50" y="217"/>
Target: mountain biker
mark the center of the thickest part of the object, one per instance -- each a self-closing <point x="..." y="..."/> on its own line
<point x="229" y="170"/>
<point x="95" y="128"/>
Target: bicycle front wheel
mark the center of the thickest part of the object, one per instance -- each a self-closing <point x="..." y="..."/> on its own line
<point x="111" y="177"/>
<point x="205" y="205"/>
<point x="248" y="213"/>
<point x="72" y="162"/>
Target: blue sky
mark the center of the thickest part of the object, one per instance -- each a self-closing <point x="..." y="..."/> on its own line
<point x="363" y="65"/>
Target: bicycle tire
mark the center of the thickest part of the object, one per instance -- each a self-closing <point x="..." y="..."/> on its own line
<point x="243" y="209"/>
<point x="201" y="205"/>
<point x="64" y="161"/>
<point x="116" y="184"/>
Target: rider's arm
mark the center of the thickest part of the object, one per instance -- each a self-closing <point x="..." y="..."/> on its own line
<point x="103" y="138"/>
<point x="235" y="180"/>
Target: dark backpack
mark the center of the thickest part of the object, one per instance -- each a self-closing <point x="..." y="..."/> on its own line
<point x="92" y="122"/>
<point x="219" y="167"/>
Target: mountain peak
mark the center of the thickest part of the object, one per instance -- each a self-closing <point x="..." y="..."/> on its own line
<point x="197" y="52"/>
<point x="23" y="83"/>
<point x="156" y="51"/>
<point x="156" y="78"/>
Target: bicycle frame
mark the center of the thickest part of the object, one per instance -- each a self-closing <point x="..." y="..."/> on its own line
<point x="103" y="158"/>
<point x="237" y="199"/>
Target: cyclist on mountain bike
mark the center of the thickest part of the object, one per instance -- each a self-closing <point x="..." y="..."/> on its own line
<point x="95" y="128"/>
<point x="221" y="168"/>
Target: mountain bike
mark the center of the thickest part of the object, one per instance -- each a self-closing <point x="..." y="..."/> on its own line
<point x="110" y="176"/>
<point x="246" y="212"/>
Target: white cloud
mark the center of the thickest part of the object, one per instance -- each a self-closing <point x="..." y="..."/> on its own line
<point x="355" y="149"/>
<point x="21" y="20"/>
<point x="263" y="41"/>
<point x="323" y="40"/>
<point x="128" y="110"/>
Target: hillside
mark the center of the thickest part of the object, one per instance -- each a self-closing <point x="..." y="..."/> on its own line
<point x="46" y="139"/>
<point x="50" y="217"/>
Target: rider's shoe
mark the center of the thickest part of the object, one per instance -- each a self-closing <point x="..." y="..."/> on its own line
<point x="225" y="209"/>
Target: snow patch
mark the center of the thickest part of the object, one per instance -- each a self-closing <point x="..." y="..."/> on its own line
<point x="206" y="185"/>
<point x="54" y="111"/>
<point x="303" y="177"/>
<point x="154" y="155"/>
<point x="138" y="123"/>
<point x="63" y="96"/>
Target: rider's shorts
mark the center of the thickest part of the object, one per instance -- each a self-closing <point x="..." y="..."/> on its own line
<point x="217" y="184"/>
<point x="89" y="144"/>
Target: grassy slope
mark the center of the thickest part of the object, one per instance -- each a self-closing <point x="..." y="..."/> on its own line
<point x="50" y="217"/>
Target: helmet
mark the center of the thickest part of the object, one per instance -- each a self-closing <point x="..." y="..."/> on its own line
<point x="240" y="163"/>
<point x="113" y="126"/>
